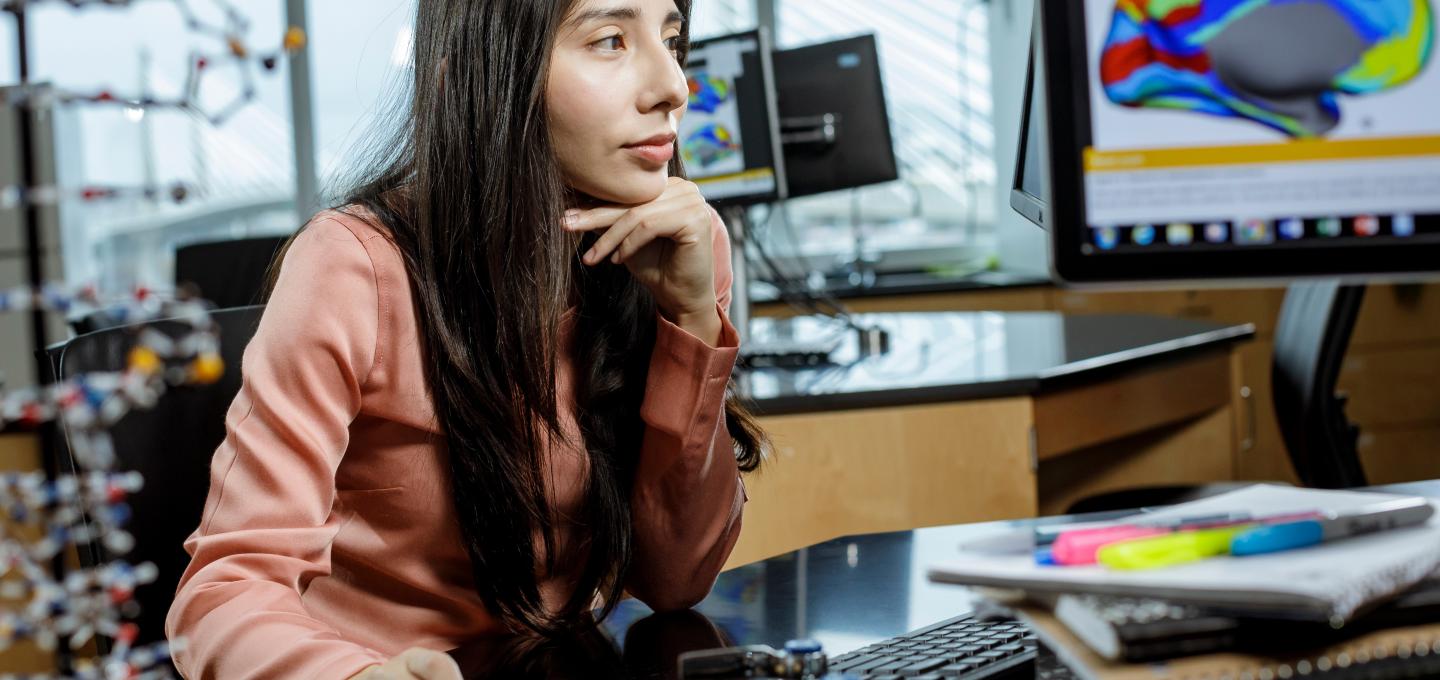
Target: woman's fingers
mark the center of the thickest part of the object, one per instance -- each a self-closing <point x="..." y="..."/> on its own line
<point x="675" y="224"/>
<point x="594" y="218"/>
<point x="619" y="229"/>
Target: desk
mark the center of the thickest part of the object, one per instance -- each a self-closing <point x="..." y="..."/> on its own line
<point x="984" y="415"/>
<point x="846" y="593"/>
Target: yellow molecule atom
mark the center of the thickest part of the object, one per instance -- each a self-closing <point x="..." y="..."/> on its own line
<point x="207" y="368"/>
<point x="294" y="39"/>
<point x="144" y="360"/>
<point x="237" y="48"/>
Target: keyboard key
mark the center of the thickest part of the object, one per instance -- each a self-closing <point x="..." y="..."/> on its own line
<point x="956" y="670"/>
<point x="1011" y="647"/>
<point x="870" y="664"/>
<point x="930" y="676"/>
<point x="923" y="667"/>
<point x="861" y="664"/>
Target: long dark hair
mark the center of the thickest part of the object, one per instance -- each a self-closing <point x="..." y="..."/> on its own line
<point x="470" y="191"/>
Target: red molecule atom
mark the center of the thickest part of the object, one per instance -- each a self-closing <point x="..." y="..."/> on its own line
<point x="120" y="595"/>
<point x="30" y="415"/>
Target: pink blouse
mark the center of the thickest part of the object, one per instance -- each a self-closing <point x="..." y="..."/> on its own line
<point x="329" y="540"/>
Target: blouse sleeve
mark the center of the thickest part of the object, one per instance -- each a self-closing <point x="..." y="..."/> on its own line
<point x="687" y="497"/>
<point x="271" y="512"/>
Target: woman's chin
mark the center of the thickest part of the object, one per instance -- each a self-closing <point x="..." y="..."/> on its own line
<point x="630" y="190"/>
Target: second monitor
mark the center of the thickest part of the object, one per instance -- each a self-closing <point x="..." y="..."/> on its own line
<point x="835" y="128"/>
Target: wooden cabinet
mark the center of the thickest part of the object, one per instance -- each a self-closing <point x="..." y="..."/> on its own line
<point x="1391" y="371"/>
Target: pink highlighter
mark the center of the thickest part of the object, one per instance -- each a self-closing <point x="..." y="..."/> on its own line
<point x="1079" y="547"/>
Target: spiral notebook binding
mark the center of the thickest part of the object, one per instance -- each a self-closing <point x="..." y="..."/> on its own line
<point x="1404" y="659"/>
<point x="1381" y="586"/>
<point x="1405" y="652"/>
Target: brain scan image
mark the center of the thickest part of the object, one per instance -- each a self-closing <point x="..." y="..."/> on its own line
<point x="707" y="92"/>
<point x="1280" y="63"/>
<point x="709" y="144"/>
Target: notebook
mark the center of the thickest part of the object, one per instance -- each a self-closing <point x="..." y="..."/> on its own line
<point x="1407" y="652"/>
<point x="1329" y="582"/>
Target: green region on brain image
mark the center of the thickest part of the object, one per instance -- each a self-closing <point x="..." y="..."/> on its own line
<point x="1280" y="63"/>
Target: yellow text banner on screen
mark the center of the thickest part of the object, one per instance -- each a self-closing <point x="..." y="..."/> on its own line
<point x="1289" y="152"/>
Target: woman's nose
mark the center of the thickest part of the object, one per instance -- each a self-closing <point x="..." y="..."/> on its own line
<point x="666" y="87"/>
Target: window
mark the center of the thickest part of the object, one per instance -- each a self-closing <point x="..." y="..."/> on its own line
<point x="940" y="214"/>
<point x="239" y="175"/>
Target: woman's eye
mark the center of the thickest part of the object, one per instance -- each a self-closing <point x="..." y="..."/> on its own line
<point x="673" y="44"/>
<point x="613" y="42"/>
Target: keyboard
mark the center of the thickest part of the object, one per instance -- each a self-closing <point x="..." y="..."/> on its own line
<point x="962" y="647"/>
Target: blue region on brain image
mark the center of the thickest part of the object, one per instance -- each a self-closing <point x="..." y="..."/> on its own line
<point x="708" y="92"/>
<point x="1280" y="63"/>
<point x="709" y="144"/>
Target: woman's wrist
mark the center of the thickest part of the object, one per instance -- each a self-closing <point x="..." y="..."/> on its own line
<point x="705" y="325"/>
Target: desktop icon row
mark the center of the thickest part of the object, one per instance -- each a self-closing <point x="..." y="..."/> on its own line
<point x="1247" y="232"/>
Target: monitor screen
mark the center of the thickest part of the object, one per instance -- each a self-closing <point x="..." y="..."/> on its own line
<point x="1243" y="138"/>
<point x="835" y="88"/>
<point x="1029" y="195"/>
<point x="729" y="137"/>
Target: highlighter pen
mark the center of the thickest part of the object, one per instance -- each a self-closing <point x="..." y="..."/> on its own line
<point x="1171" y="549"/>
<point x="1079" y="547"/>
<point x="1271" y="538"/>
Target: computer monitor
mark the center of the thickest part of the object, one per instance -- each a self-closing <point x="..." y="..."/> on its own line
<point x="832" y="114"/>
<point x="1030" y="193"/>
<point x="1223" y="139"/>
<point x="730" y="137"/>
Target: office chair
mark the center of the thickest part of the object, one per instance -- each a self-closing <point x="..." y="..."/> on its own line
<point x="1310" y="340"/>
<point x="170" y="444"/>
<point x="1311" y="335"/>
<point x="228" y="273"/>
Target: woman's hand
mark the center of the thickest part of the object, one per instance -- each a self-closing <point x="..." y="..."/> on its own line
<point x="667" y="245"/>
<point x="415" y="663"/>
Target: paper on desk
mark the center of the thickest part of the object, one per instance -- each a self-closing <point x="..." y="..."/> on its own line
<point x="1327" y="582"/>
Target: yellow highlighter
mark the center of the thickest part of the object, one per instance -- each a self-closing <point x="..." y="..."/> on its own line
<point x="1170" y="549"/>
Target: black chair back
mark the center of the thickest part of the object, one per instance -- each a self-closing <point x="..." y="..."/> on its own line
<point x="170" y="444"/>
<point x="1311" y="336"/>
<point x="228" y="273"/>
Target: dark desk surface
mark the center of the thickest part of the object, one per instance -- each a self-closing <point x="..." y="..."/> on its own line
<point x="846" y="593"/>
<point x="912" y="283"/>
<point x="953" y="356"/>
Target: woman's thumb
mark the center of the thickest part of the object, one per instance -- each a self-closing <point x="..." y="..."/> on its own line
<point x="428" y="664"/>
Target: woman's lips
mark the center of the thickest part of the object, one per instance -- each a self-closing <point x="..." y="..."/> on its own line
<point x="654" y="153"/>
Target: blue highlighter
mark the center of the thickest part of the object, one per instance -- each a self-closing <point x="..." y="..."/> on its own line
<point x="1277" y="537"/>
<point x="1269" y="538"/>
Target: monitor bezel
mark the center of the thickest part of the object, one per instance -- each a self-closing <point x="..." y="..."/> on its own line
<point x="1030" y="207"/>
<point x="777" y="151"/>
<point x="1067" y="67"/>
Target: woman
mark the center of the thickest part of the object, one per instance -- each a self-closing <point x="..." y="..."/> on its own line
<point x="491" y="386"/>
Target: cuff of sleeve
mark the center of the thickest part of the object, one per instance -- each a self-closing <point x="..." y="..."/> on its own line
<point x="687" y="377"/>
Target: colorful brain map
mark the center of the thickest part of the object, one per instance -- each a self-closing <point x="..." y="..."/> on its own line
<point x="707" y="92"/>
<point x="709" y="144"/>
<point x="1279" y="63"/>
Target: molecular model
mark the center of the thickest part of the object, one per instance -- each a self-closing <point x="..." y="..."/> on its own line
<point x="88" y="506"/>
<point x="231" y="35"/>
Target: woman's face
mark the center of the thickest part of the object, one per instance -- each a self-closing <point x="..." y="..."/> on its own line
<point x="616" y="94"/>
